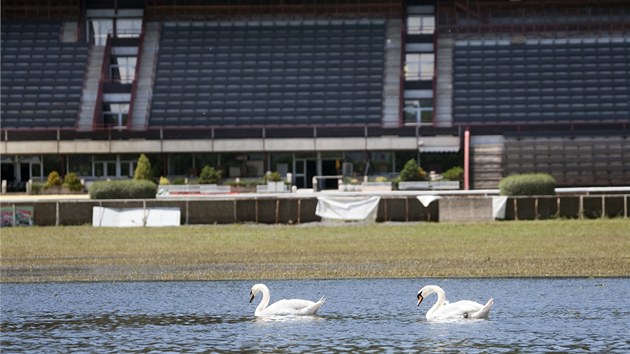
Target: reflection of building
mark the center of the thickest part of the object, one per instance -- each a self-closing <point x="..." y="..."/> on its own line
<point x="249" y="87"/>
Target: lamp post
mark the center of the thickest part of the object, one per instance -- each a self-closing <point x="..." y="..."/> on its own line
<point x="415" y="107"/>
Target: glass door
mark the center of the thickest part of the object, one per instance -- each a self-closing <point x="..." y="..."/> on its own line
<point x="305" y="170"/>
<point x="300" y="173"/>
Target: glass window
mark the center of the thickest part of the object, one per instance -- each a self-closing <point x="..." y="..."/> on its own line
<point x="381" y="162"/>
<point x="127" y="164"/>
<point x="80" y="164"/>
<point x="420" y="24"/>
<point x="115" y="114"/>
<point x="98" y="169"/>
<point x="417" y="111"/>
<point x="180" y="164"/>
<point x="128" y="27"/>
<point x="123" y="69"/>
<point x="419" y="66"/>
<point x="358" y="159"/>
<point x="279" y="160"/>
<point x="126" y="169"/>
<point x="99" y="29"/>
<point x="111" y="169"/>
<point x="36" y="170"/>
<point x="52" y="163"/>
<point x="299" y="167"/>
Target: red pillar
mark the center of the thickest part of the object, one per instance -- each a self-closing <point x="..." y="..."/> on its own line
<point x="467" y="158"/>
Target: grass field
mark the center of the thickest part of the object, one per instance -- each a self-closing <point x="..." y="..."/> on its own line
<point x="497" y="249"/>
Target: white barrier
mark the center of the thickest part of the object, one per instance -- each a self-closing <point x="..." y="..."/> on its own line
<point x="347" y="208"/>
<point x="135" y="217"/>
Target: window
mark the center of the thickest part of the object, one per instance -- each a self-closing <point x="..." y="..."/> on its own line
<point x="127" y="168"/>
<point x="418" y="111"/>
<point x="80" y="164"/>
<point x="99" y="29"/>
<point x="104" y="166"/>
<point x="128" y="27"/>
<point x="419" y="66"/>
<point x="123" y="69"/>
<point x="115" y="114"/>
<point x="180" y="164"/>
<point x="420" y="24"/>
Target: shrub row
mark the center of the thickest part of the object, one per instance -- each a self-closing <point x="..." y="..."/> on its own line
<point x="528" y="184"/>
<point x="132" y="189"/>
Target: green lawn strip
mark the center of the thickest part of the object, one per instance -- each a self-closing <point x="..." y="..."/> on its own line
<point x="517" y="248"/>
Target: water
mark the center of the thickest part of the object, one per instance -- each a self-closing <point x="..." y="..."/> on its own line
<point x="529" y="315"/>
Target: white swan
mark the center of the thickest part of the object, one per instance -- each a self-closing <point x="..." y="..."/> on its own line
<point x="442" y="310"/>
<point x="295" y="307"/>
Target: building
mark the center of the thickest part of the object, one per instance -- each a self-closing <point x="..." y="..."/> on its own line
<point x="317" y="88"/>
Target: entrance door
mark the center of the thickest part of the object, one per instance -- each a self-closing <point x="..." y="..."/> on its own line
<point x="305" y="169"/>
<point x="329" y="168"/>
<point x="8" y="173"/>
<point x="25" y="171"/>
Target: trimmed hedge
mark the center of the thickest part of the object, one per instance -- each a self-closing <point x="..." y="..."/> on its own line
<point x="528" y="184"/>
<point x="454" y="174"/>
<point x="132" y="189"/>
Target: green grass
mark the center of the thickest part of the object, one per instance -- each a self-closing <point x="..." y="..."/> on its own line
<point x="497" y="249"/>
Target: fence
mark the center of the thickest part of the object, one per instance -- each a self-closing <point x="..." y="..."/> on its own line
<point x="296" y="209"/>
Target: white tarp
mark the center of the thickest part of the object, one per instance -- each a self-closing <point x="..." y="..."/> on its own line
<point x="428" y="199"/>
<point x="347" y="208"/>
<point x="498" y="207"/>
<point x="130" y="217"/>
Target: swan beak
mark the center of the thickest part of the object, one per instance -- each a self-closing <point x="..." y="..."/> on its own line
<point x="251" y="297"/>
<point x="420" y="298"/>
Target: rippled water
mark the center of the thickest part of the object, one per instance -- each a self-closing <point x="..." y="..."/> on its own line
<point x="529" y="315"/>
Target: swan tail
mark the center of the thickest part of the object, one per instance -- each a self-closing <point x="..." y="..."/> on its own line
<point x="485" y="310"/>
<point x="312" y="309"/>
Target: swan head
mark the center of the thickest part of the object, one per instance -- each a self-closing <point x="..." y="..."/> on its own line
<point x="255" y="290"/>
<point x="420" y="298"/>
<point x="426" y="291"/>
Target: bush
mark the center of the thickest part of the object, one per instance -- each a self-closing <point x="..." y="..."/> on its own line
<point x="273" y="177"/>
<point x="36" y="188"/>
<point x="134" y="189"/>
<point x="72" y="182"/>
<point x="246" y="182"/>
<point x="209" y="175"/>
<point x="53" y="180"/>
<point x="143" y="169"/>
<point x="163" y="181"/>
<point x="454" y="174"/>
<point x="528" y="184"/>
<point x="179" y="181"/>
<point x="411" y="172"/>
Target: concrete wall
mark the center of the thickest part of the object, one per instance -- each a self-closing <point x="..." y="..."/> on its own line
<point x="571" y="207"/>
<point x="272" y="210"/>
<point x="466" y="209"/>
<point x="406" y="209"/>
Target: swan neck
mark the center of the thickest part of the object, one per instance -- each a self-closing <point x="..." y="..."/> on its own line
<point x="441" y="297"/>
<point x="264" y="302"/>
